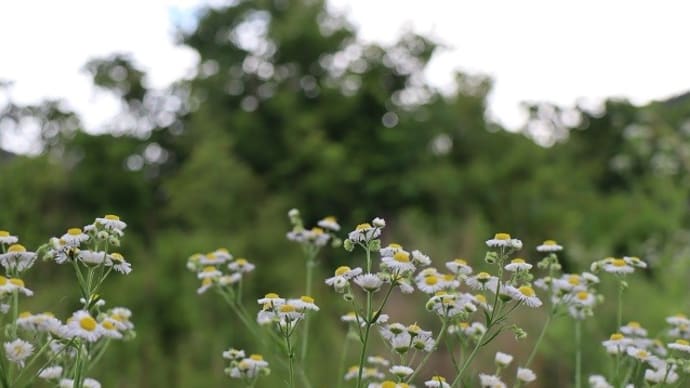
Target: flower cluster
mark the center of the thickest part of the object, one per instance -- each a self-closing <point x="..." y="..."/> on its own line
<point x="219" y="269"/>
<point x="245" y="368"/>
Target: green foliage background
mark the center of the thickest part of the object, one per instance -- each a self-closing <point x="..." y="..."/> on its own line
<point x="288" y="108"/>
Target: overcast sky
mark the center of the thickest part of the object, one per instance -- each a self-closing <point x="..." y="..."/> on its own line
<point x="535" y="50"/>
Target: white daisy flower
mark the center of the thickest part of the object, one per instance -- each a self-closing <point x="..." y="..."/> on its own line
<point x="526" y="375"/>
<point x="421" y="259"/>
<point x="503" y="359"/>
<point x="503" y="240"/>
<point x="206" y="284"/>
<point x="525" y="294"/>
<point x="330" y="223"/>
<point x="82" y="325"/>
<point x="211" y="258"/>
<point x="234" y="354"/>
<point x="109" y="328"/>
<point x="7" y="238"/>
<point x="50" y="373"/>
<point x="342" y="277"/>
<point x="633" y="329"/>
<point x="399" y="262"/>
<point x="437" y="381"/>
<point x="619" y="266"/>
<point x="7" y="286"/>
<point x="635" y="261"/>
<point x="681" y="345"/>
<point x="660" y="376"/>
<point x="17" y="258"/>
<point x="401" y="371"/>
<point x="249" y="367"/>
<point x="92" y="257"/>
<point x="18" y="350"/>
<point x="390" y="249"/>
<point x="459" y="266"/>
<point x="599" y="381"/>
<point x="209" y="272"/>
<point x="226" y="280"/>
<point x="490" y="381"/>
<point x="304" y="303"/>
<point x="639" y="354"/>
<point x="678" y="320"/>
<point x="482" y="281"/>
<point x="364" y="233"/>
<point x="118" y="263"/>
<point x="271" y="299"/>
<point x="241" y="265"/>
<point x="590" y="278"/>
<point x="74" y="237"/>
<point x="616" y="343"/>
<point x="352" y="373"/>
<point x="369" y="282"/>
<point x="87" y="383"/>
<point x="583" y="298"/>
<point x="112" y="222"/>
<point x="549" y="246"/>
<point x="289" y="313"/>
<point x="405" y="286"/>
<point x="379" y="222"/>
<point x="518" y="264"/>
<point x="122" y="316"/>
<point x="430" y="284"/>
<point x="377" y="360"/>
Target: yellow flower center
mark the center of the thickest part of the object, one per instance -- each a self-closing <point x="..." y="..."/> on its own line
<point x="4" y="233"/>
<point x="271" y="295"/>
<point x="210" y="268"/>
<point x="3" y="280"/>
<point x="211" y="255"/>
<point x="117" y="257"/>
<point x="438" y="378"/>
<point x="317" y="231"/>
<point x="464" y="325"/>
<point x="88" y="323"/>
<point x="17" y="282"/>
<point x="206" y="282"/>
<point x="618" y="263"/>
<point x="480" y="298"/>
<point x="112" y="217"/>
<point x="330" y="219"/>
<point x="501" y="236"/>
<point x="518" y="261"/>
<point x="526" y="291"/>
<point x="448" y="277"/>
<point x="582" y="295"/>
<point x="241" y="261"/>
<point x="74" y="231"/>
<point x="483" y="276"/>
<point x="363" y="226"/>
<point x="441" y="293"/>
<point x="682" y="342"/>
<point x="574" y="280"/>
<point x="459" y="261"/>
<point x="257" y="357"/>
<point x="25" y="314"/>
<point x="244" y="364"/>
<point x="342" y="270"/>
<point x="388" y="384"/>
<point x="634" y="324"/>
<point x="394" y="246"/>
<point x="307" y="299"/>
<point x="108" y="325"/>
<point x="16" y="248"/>
<point x="431" y="280"/>
<point x="616" y="337"/>
<point x="287" y="308"/>
<point x="549" y="242"/>
<point x="413" y="328"/>
<point x="642" y="353"/>
<point x="402" y="257"/>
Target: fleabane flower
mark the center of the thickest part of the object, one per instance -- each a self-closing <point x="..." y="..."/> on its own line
<point x="503" y="240"/>
<point x="681" y="345"/>
<point x="50" y="372"/>
<point x="617" y="343"/>
<point x="617" y="266"/>
<point x="420" y="259"/>
<point x="503" y="359"/>
<point x="74" y="237"/>
<point x="598" y="381"/>
<point x="390" y="249"/>
<point x="490" y="381"/>
<point x="437" y="382"/>
<point x="459" y="266"/>
<point x="87" y="383"/>
<point x="401" y="371"/>
<point x="209" y="272"/>
<point x="341" y="278"/>
<point x="6" y="238"/>
<point x="549" y="246"/>
<point x="8" y="286"/>
<point x="304" y="303"/>
<point x="482" y="281"/>
<point x="249" y="367"/>
<point x="400" y="263"/>
<point x="634" y="261"/>
<point x="524" y="294"/>
<point x="526" y="375"/>
<point x="518" y="264"/>
<point x="234" y="354"/>
<point x="329" y="223"/>
<point x="634" y="329"/>
<point x="369" y="282"/>
<point x="659" y="376"/>
<point x="83" y="325"/>
<point x="18" y="351"/>
<point x="111" y="222"/>
<point x="364" y="233"/>
<point x="241" y="265"/>
<point x="119" y="264"/>
<point x="17" y="258"/>
<point x="92" y="257"/>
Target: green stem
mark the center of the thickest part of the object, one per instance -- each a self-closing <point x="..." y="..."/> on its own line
<point x="31" y="362"/>
<point x="539" y="339"/>
<point x="15" y="312"/>
<point x="291" y="357"/>
<point x="619" y="317"/>
<point x="426" y="357"/>
<point x="362" y="356"/>
<point x="469" y="359"/>
<point x="305" y="332"/>
<point x="578" y="353"/>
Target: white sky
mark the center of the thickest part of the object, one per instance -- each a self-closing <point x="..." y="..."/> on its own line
<point x="535" y="50"/>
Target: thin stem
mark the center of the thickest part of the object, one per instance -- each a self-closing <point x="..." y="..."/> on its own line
<point x="539" y="339"/>
<point x="578" y="353"/>
<point x="428" y="354"/>
<point x="619" y="317"/>
<point x="305" y="336"/>
<point x="469" y="359"/>
<point x="362" y="356"/>
<point x="291" y="357"/>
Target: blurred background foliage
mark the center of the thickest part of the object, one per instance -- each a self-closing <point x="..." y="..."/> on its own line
<point x="288" y="108"/>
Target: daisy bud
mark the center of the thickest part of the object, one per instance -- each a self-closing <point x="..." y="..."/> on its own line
<point x="114" y="241"/>
<point x="490" y="257"/>
<point x="374" y="245"/>
<point x="102" y="235"/>
<point x="379" y="222"/>
<point x="348" y="297"/>
<point x="348" y="245"/>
